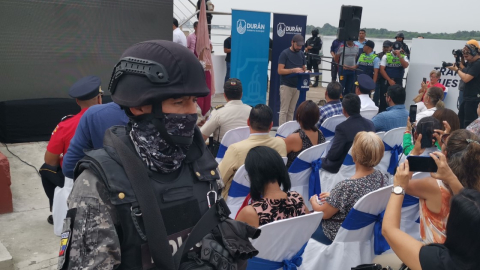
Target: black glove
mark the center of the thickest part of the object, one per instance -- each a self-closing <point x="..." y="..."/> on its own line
<point x="214" y="253"/>
<point x="235" y="236"/>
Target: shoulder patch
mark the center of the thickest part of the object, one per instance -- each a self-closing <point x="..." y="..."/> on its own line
<point x="67" y="117"/>
<point x="219" y="107"/>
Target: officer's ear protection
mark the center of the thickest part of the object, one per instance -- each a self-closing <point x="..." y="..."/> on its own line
<point x="472" y="49"/>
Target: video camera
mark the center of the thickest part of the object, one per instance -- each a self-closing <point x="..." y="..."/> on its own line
<point x="458" y="58"/>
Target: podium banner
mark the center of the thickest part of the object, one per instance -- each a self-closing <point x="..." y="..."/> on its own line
<point x="249" y="57"/>
<point x="285" y="26"/>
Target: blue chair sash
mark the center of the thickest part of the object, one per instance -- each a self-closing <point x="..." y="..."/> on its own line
<point x="221" y="151"/>
<point x="357" y="219"/>
<point x="326" y="133"/>
<point x="238" y="190"/>
<point x="348" y="161"/>
<point x="299" y="165"/>
<point x="279" y="135"/>
<point x="263" y="264"/>
<point x="396" y="151"/>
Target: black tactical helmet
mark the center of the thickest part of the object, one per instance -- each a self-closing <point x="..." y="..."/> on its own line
<point x="400" y="35"/>
<point x="315" y="32"/>
<point x="156" y="70"/>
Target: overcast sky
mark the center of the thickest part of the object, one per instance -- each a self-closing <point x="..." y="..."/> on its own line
<point x="410" y="15"/>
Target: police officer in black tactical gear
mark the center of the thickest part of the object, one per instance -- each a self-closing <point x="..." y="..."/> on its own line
<point x="149" y="199"/>
<point x="313" y="47"/>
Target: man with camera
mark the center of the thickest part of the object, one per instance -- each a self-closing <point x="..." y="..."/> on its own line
<point x="392" y="69"/>
<point x="470" y="75"/>
<point x="313" y="47"/>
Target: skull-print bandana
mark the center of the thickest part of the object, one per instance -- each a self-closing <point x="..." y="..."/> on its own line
<point x="157" y="154"/>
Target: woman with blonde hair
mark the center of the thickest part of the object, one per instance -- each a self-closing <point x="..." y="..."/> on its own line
<point x="367" y="152"/>
<point x="433" y="101"/>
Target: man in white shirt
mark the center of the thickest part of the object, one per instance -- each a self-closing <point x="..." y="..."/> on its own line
<point x="363" y="87"/>
<point x="178" y="35"/>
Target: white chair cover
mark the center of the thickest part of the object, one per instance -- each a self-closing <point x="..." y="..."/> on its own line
<point x="355" y="241"/>
<point x="381" y="134"/>
<point x="239" y="190"/>
<point x="392" y="141"/>
<point x="301" y="170"/>
<point x="232" y="136"/>
<point x="369" y="114"/>
<point x="328" y="180"/>
<point x="273" y="248"/>
<point x="60" y="207"/>
<point x="328" y="126"/>
<point x="287" y="129"/>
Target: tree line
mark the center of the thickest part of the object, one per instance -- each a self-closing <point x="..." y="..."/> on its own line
<point x="330" y="30"/>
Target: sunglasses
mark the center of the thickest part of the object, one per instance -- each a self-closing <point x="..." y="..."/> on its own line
<point x="444" y="138"/>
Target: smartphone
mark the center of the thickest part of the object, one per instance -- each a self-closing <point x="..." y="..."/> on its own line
<point x="413" y="113"/>
<point x="425" y="80"/>
<point x="427" y="135"/>
<point x="422" y="164"/>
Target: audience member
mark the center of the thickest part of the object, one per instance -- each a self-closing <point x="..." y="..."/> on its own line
<point x="334" y="105"/>
<point x="307" y="135"/>
<point x="227" y="48"/>
<point x="87" y="92"/>
<point x="435" y="193"/>
<point x="192" y="38"/>
<point x="448" y="116"/>
<point x="462" y="243"/>
<point x="345" y="133"/>
<point x="346" y="70"/>
<point x="434" y="81"/>
<point x="475" y="125"/>
<point x="269" y="189"/>
<point x="367" y="152"/>
<point x="178" y="35"/>
<point x="424" y="128"/>
<point x="90" y="132"/>
<point x="291" y="60"/>
<point x="392" y="69"/>
<point x="396" y="115"/>
<point x="433" y="101"/>
<point x="226" y="117"/>
<point x="260" y="123"/>
<point x="364" y="86"/>
<point x="334" y="67"/>
<point x="470" y="75"/>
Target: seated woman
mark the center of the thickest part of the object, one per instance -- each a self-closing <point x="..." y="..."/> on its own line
<point x="425" y="127"/>
<point x="308" y="135"/>
<point x="267" y="174"/>
<point x="433" y="101"/>
<point x="434" y="78"/>
<point x="367" y="151"/>
<point x="462" y="244"/>
<point x="435" y="194"/>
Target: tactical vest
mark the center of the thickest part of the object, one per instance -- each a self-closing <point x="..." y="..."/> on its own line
<point x="394" y="67"/>
<point x="182" y="200"/>
<point x="365" y="63"/>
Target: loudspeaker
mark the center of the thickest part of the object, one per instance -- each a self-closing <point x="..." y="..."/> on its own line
<point x="349" y="25"/>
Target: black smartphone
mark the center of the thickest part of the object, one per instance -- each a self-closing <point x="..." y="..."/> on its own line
<point x="421" y="164"/>
<point x="413" y="113"/>
<point x="427" y="135"/>
<point x="424" y="80"/>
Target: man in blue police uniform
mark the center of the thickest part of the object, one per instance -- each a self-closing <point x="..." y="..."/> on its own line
<point x="392" y="69"/>
<point x="368" y="61"/>
<point x="87" y="92"/>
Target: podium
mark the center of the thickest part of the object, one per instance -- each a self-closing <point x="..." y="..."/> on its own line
<point x="303" y="85"/>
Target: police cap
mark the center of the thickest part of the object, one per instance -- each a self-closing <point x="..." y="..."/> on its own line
<point x="387" y="43"/>
<point x="370" y="44"/>
<point x="86" y="88"/>
<point x="365" y="82"/>
<point x="233" y="84"/>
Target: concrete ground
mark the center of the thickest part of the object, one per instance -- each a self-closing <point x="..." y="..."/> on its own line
<point x="25" y="233"/>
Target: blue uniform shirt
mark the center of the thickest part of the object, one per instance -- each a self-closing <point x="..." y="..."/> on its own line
<point x="376" y="61"/>
<point x="90" y="131"/>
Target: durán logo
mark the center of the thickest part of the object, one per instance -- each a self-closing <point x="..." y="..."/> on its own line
<point x="281" y="29"/>
<point x="241" y="27"/>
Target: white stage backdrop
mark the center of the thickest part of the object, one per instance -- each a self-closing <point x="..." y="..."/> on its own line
<point x="427" y="55"/>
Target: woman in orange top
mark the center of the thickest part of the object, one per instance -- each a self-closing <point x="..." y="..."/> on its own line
<point x="459" y="148"/>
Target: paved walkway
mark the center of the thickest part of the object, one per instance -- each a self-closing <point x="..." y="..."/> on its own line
<point x="25" y="232"/>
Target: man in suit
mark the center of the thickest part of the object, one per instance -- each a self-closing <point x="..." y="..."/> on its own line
<point x="260" y="122"/>
<point x="345" y="133"/>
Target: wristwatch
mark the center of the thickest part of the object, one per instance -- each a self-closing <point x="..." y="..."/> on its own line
<point x="398" y="190"/>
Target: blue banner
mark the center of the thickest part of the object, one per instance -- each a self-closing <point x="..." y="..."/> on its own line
<point x="249" y="57"/>
<point x="285" y="26"/>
